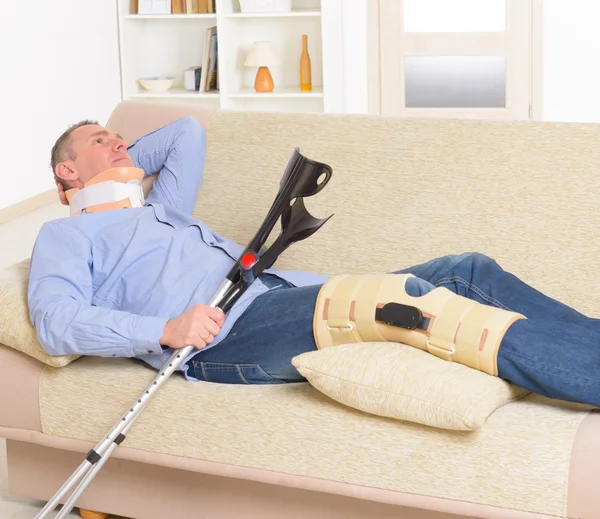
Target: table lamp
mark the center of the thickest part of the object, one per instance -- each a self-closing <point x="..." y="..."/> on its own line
<point x="263" y="54"/>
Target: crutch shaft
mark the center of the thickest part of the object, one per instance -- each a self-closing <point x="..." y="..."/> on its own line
<point x="87" y="479"/>
<point x="166" y="371"/>
<point x="107" y="450"/>
<point x="102" y="451"/>
<point x="51" y="505"/>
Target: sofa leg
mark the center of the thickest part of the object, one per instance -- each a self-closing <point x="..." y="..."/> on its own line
<point x="89" y="514"/>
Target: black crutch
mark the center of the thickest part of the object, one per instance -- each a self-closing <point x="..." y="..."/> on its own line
<point x="302" y="177"/>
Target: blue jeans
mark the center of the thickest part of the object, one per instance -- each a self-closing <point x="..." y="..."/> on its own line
<point x="555" y="352"/>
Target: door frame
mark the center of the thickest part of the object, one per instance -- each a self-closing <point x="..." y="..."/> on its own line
<point x="374" y="52"/>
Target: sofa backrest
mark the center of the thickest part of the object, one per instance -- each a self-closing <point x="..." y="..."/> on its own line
<point x="407" y="190"/>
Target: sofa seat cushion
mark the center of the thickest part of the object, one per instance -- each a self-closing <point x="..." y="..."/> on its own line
<point x="520" y="458"/>
<point x="16" y="329"/>
<point x="399" y="381"/>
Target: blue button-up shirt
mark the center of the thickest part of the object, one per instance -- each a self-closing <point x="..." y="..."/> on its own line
<point x="106" y="283"/>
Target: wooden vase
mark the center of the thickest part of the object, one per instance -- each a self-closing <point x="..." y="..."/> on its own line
<point x="305" y="68"/>
<point x="263" y="81"/>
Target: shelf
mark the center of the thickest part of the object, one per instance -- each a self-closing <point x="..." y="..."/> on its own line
<point x="178" y="92"/>
<point x="170" y="43"/>
<point x="169" y="16"/>
<point x="281" y="92"/>
<point x="293" y="13"/>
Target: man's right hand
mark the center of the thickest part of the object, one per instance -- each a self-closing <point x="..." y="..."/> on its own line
<point x="196" y="326"/>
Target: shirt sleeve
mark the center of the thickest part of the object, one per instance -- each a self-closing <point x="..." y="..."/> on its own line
<point x="60" y="303"/>
<point x="177" y="152"/>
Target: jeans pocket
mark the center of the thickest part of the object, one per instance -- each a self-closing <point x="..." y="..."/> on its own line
<point x="224" y="373"/>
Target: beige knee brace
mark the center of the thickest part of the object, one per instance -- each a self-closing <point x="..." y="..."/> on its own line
<point x="459" y="330"/>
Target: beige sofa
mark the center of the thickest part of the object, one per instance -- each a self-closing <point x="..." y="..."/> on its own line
<point x="403" y="192"/>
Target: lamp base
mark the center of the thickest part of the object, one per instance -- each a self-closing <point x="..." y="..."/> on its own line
<point x="264" y="80"/>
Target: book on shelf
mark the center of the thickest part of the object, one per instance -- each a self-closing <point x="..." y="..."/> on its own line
<point x="205" y="77"/>
<point x="209" y="79"/>
<point x="193" y="6"/>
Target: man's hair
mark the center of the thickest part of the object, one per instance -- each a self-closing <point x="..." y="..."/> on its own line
<point x="63" y="150"/>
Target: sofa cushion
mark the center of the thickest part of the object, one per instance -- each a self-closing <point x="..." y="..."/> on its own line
<point x="16" y="329"/>
<point x="398" y="381"/>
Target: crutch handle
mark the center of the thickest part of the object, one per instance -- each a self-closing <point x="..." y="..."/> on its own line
<point x="303" y="177"/>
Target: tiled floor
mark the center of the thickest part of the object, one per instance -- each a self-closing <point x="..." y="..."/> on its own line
<point x="16" y="241"/>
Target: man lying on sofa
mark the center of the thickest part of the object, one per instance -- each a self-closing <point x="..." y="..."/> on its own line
<point x="135" y="283"/>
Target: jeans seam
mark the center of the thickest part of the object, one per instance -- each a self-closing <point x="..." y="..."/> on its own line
<point x="238" y="367"/>
<point x="267" y="376"/>
<point x="474" y="288"/>
<point x="239" y="371"/>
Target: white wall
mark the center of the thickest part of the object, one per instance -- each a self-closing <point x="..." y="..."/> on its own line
<point x="571" y="78"/>
<point x="58" y="64"/>
<point x="345" y="60"/>
<point x="356" y="70"/>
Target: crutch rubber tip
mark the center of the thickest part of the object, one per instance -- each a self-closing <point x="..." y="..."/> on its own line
<point x="89" y="514"/>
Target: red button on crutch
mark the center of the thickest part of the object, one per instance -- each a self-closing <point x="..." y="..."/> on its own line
<point x="248" y="260"/>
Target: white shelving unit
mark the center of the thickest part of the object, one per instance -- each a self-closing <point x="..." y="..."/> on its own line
<point x="167" y="44"/>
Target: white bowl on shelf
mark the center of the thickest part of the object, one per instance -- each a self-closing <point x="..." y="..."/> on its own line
<point x="157" y="84"/>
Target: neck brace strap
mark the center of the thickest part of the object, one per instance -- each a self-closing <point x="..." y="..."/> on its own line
<point x="114" y="188"/>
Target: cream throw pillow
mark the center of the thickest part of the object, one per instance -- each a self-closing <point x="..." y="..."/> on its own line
<point x="398" y="381"/>
<point x="16" y="330"/>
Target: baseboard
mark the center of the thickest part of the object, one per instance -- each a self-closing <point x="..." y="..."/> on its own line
<point x="26" y="206"/>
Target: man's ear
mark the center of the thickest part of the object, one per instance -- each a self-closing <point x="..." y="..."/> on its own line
<point x="65" y="171"/>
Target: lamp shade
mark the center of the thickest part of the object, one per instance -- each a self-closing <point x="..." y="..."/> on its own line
<point x="262" y="54"/>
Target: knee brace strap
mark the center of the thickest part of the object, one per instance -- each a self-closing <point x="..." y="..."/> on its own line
<point x="459" y="329"/>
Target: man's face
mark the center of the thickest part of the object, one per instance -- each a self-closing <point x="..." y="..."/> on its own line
<point x="96" y="149"/>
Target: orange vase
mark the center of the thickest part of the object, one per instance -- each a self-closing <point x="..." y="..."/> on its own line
<point x="305" y="72"/>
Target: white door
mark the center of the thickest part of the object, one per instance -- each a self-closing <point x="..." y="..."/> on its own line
<point x="456" y="58"/>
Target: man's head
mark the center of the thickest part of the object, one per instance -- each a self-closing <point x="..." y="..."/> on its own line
<point x="85" y="150"/>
